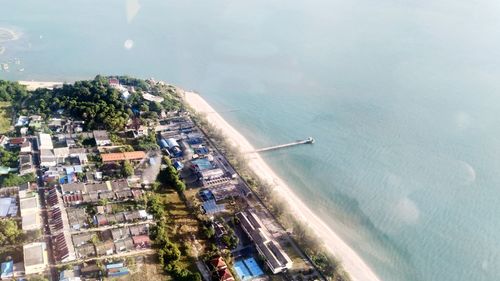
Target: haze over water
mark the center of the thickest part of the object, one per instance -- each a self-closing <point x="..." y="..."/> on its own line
<point x="402" y="97"/>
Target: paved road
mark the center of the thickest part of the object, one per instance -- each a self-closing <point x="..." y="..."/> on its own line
<point x="112" y="227"/>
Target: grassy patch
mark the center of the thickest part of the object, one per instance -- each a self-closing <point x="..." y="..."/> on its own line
<point x="5" y="119"/>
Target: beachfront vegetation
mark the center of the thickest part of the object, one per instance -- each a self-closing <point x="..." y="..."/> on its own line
<point x="95" y="101"/>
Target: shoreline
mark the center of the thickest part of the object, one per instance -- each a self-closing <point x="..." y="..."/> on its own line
<point x="33" y="85"/>
<point x="351" y="261"/>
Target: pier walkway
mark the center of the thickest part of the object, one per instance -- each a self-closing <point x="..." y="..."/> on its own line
<point x="275" y="147"/>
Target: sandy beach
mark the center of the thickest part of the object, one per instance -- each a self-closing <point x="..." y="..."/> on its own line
<point x="33" y="85"/>
<point x="351" y="261"/>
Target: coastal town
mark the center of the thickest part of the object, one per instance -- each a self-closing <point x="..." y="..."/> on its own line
<point x="146" y="194"/>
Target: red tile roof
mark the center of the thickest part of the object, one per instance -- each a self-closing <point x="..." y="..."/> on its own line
<point x="121" y="156"/>
<point x="218" y="263"/>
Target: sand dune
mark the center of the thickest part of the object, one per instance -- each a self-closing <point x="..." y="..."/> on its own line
<point x="352" y="263"/>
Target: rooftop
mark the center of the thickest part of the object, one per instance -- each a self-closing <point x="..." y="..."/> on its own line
<point x="35" y="254"/>
<point x="121" y="156"/>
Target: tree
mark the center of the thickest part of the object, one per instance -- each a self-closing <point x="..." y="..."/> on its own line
<point x="127" y="169"/>
<point x="9" y="231"/>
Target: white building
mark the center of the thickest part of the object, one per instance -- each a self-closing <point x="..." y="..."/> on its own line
<point x="35" y="258"/>
<point x="47" y="158"/>
<point x="102" y="138"/>
<point x="44" y="141"/>
<point x="30" y="212"/>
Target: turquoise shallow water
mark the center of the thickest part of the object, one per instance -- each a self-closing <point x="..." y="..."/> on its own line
<point x="401" y="96"/>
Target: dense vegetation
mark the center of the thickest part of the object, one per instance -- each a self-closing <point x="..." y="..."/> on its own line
<point x="12" y="91"/>
<point x="94" y="101"/>
<point x="16" y="180"/>
<point x="8" y="158"/>
<point x="170" y="176"/>
<point x="9" y="232"/>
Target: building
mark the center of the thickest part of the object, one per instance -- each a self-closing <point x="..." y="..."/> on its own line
<point x="26" y="164"/>
<point x="30" y="212"/>
<point x="47" y="158"/>
<point x="276" y="259"/>
<point x="150" y="97"/>
<point x="69" y="275"/>
<point x="122" y="156"/>
<point x="44" y="141"/>
<point x="211" y="174"/>
<point x="101" y="138"/>
<point x="26" y="147"/>
<point x="8" y="207"/>
<point x="35" y="258"/>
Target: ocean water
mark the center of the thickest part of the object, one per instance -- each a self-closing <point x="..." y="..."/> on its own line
<point x="402" y="98"/>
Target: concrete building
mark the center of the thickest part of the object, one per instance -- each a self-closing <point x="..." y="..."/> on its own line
<point x="30" y="212"/>
<point x="276" y="259"/>
<point x="47" y="158"/>
<point x="44" y="141"/>
<point x="101" y="138"/>
<point x="35" y="258"/>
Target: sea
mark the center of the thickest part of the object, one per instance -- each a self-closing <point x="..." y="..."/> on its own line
<point x="402" y="98"/>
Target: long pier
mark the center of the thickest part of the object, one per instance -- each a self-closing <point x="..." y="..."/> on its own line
<point x="275" y="147"/>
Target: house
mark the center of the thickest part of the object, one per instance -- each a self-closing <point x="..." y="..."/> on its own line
<point x="26" y="165"/>
<point x="100" y="220"/>
<point x="105" y="248"/>
<point x="275" y="258"/>
<point x="77" y="218"/>
<point x="16" y="142"/>
<point x="23" y="131"/>
<point x="140" y="131"/>
<point x="26" y="147"/>
<point x="7" y="270"/>
<point x="22" y="121"/>
<point x="35" y="258"/>
<point x="85" y="251"/>
<point x="91" y="271"/>
<point x="218" y="263"/>
<point x="141" y="241"/>
<point x="71" y="188"/>
<point x="69" y="275"/>
<point x="35" y="122"/>
<point x="44" y="141"/>
<point x="141" y="229"/>
<point x="121" y="184"/>
<point x="114" y="82"/>
<point x="119" y="233"/>
<point x="101" y="138"/>
<point x="47" y="158"/>
<point x="4" y="140"/>
<point x="123" y="245"/>
<point x="225" y="275"/>
<point x="8" y="207"/>
<point x="122" y="156"/>
<point x="61" y="153"/>
<point x="150" y="97"/>
<point x="81" y="239"/>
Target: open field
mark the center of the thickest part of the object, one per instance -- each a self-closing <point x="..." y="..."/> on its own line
<point x="183" y="229"/>
<point x="5" y="117"/>
<point x="145" y="269"/>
